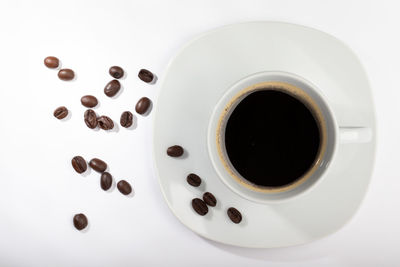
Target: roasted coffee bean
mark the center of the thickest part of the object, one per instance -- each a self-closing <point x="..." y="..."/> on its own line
<point x="126" y="119"/>
<point x="60" y="113"/>
<point x="199" y="206"/>
<point x="124" y="187"/>
<point x="90" y="118"/>
<point x="209" y="199"/>
<point x="234" y="215"/>
<point x="105" y="123"/>
<point x="80" y="221"/>
<point x="66" y="74"/>
<point x="143" y="105"/>
<point x="116" y="72"/>
<point x="98" y="165"/>
<point x="193" y="180"/>
<point x="175" y="151"/>
<point x="51" y="62"/>
<point x="79" y="164"/>
<point x="105" y="181"/>
<point x="112" y="88"/>
<point x="89" y="101"/>
<point x="146" y="75"/>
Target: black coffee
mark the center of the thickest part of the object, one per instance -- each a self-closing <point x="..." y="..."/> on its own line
<point x="272" y="138"/>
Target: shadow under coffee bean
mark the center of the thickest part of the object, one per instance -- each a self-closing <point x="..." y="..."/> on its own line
<point x="272" y="138"/>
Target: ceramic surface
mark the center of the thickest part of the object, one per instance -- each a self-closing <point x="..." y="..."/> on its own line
<point x="196" y="80"/>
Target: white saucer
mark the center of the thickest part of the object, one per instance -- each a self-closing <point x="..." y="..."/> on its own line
<point x="198" y="77"/>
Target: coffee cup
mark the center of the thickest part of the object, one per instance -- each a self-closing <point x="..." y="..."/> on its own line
<point x="272" y="136"/>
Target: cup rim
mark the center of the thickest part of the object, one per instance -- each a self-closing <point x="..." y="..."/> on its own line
<point x="213" y="147"/>
<point x="295" y="92"/>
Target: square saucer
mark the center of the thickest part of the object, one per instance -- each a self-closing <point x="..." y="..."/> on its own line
<point x="196" y="79"/>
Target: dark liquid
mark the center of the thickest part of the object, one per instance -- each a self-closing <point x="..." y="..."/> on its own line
<point x="272" y="138"/>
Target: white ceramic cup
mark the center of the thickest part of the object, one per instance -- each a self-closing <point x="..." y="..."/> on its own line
<point x="332" y="134"/>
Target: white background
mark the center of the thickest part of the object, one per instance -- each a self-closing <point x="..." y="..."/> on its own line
<point x="40" y="192"/>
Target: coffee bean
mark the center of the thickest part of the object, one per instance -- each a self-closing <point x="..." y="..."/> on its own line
<point x="175" y="151"/>
<point x="90" y="118"/>
<point x="51" y="62"/>
<point x="98" y="165"/>
<point x="112" y="88"/>
<point x="143" y="105"/>
<point x="199" y="206"/>
<point x="105" y="123"/>
<point x="105" y="181"/>
<point x="209" y="199"/>
<point x="80" y="221"/>
<point x="60" y="113"/>
<point x="66" y="74"/>
<point x="193" y="180"/>
<point x="89" y="101"/>
<point x="234" y="215"/>
<point x="79" y="164"/>
<point x="124" y="187"/>
<point x="116" y="72"/>
<point x="126" y="119"/>
<point x="146" y="75"/>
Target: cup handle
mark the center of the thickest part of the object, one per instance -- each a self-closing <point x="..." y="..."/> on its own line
<point x="349" y="135"/>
